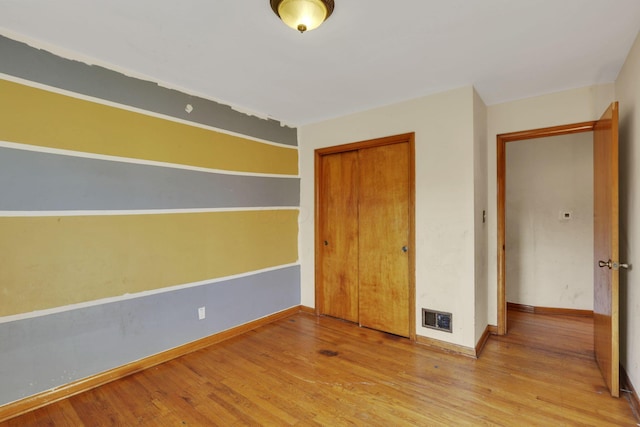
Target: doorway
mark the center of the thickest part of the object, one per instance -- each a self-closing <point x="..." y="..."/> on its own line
<point x="606" y="261"/>
<point x="502" y="140"/>
<point x="365" y="262"/>
<point x="549" y="225"/>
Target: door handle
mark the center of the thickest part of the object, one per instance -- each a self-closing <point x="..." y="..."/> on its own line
<point x="617" y="266"/>
<point x="405" y="249"/>
<point x="610" y="264"/>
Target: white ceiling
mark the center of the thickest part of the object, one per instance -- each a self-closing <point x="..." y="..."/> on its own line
<point x="366" y="55"/>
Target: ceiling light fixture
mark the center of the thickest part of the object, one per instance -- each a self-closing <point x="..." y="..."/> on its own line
<point x="302" y="15"/>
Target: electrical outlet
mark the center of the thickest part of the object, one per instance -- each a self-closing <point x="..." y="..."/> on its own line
<point x="201" y="313"/>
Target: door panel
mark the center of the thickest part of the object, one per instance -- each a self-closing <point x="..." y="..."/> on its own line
<point x="606" y="292"/>
<point x="384" y="232"/>
<point x="339" y="235"/>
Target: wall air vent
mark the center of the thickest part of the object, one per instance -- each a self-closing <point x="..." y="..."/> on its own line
<point x="437" y="320"/>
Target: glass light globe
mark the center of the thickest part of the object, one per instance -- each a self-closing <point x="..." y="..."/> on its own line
<point x="302" y="15"/>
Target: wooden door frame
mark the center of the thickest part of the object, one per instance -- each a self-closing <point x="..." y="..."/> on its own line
<point x="501" y="166"/>
<point x="319" y="153"/>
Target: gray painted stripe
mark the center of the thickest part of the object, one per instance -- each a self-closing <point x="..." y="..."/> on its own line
<point x="40" y="353"/>
<point x="35" y="181"/>
<point x="23" y="61"/>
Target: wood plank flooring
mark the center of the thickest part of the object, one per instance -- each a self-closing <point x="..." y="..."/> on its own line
<point x="310" y="371"/>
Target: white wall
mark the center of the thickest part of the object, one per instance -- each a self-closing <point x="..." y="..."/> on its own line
<point x="550" y="258"/>
<point x="444" y="134"/>
<point x="481" y="229"/>
<point x="571" y="106"/>
<point x="627" y="88"/>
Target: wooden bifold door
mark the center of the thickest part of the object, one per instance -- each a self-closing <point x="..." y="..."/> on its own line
<point x="364" y="233"/>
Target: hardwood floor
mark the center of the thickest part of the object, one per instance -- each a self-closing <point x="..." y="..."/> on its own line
<point x="311" y="371"/>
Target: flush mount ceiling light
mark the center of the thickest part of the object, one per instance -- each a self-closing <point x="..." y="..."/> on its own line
<point x="302" y="15"/>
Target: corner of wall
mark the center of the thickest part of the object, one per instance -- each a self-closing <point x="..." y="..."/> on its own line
<point x="480" y="213"/>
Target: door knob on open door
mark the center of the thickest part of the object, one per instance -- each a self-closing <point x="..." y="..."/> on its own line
<point x="617" y="266"/>
<point x="614" y="265"/>
<point x="605" y="264"/>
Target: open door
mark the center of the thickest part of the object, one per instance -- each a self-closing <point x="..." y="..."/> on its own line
<point x="607" y="264"/>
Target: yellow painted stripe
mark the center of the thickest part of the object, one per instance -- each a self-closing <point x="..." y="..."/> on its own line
<point x="54" y="261"/>
<point x="37" y="117"/>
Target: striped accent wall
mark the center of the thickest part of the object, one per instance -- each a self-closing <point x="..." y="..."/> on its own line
<point x="121" y="213"/>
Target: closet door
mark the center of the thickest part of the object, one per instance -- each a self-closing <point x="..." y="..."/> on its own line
<point x="339" y="235"/>
<point x="384" y="238"/>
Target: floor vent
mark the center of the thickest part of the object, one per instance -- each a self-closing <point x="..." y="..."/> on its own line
<point x="436" y="320"/>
